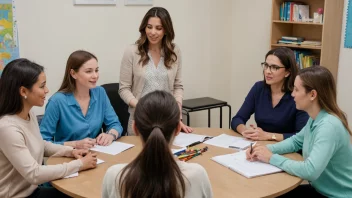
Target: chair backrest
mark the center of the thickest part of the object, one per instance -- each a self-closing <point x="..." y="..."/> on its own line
<point x="120" y="107"/>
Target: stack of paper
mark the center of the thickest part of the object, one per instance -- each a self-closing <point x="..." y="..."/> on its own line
<point x="227" y="141"/>
<point x="114" y="148"/>
<point x="185" y="139"/>
<point x="238" y="163"/>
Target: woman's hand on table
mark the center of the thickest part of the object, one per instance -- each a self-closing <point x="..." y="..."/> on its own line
<point x="255" y="133"/>
<point x="105" y="139"/>
<point x="89" y="161"/>
<point x="86" y="143"/>
<point x="185" y="128"/>
<point x="259" y="153"/>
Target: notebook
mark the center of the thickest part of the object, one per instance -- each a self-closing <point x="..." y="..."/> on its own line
<point x="227" y="141"/>
<point x="113" y="149"/>
<point x="185" y="139"/>
<point x="238" y="163"/>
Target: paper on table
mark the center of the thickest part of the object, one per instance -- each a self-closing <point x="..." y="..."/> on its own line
<point x="178" y="150"/>
<point x="238" y="163"/>
<point x="99" y="161"/>
<point x="225" y="141"/>
<point x="72" y="175"/>
<point x="113" y="149"/>
<point x="185" y="139"/>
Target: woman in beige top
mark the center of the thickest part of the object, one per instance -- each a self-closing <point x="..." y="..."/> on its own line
<point x="153" y="63"/>
<point x="22" y="86"/>
<point x="155" y="172"/>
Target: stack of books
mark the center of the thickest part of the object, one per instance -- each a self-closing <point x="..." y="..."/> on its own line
<point x="306" y="59"/>
<point x="293" y="40"/>
<point x="294" y="11"/>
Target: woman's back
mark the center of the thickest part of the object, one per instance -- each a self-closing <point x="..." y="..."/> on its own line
<point x="196" y="180"/>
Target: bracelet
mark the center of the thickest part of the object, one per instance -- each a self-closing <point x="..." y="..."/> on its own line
<point x="113" y="135"/>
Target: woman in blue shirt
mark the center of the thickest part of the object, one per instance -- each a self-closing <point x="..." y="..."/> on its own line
<point x="74" y="115"/>
<point x="271" y="102"/>
<point x="325" y="140"/>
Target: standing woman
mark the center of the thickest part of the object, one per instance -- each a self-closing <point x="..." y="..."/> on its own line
<point x="22" y="86"/>
<point x="74" y="115"/>
<point x="153" y="63"/>
<point x="271" y="102"/>
<point x="325" y="140"/>
<point x="155" y="172"/>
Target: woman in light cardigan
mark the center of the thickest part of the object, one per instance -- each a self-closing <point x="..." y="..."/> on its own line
<point x="22" y="86"/>
<point x="325" y="140"/>
<point x="153" y="63"/>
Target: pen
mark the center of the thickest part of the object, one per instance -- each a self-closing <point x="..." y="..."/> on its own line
<point x="252" y="144"/>
<point x="195" y="143"/>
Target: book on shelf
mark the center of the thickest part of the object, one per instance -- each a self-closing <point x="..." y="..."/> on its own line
<point x="294" y="11"/>
<point x="292" y="38"/>
<point x="311" y="43"/>
<point x="305" y="58"/>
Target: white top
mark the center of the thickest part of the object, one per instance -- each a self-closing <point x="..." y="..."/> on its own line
<point x="156" y="77"/>
<point x="196" y="180"/>
<point x="22" y="150"/>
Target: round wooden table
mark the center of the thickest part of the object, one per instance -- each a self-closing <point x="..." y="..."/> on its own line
<point x="225" y="183"/>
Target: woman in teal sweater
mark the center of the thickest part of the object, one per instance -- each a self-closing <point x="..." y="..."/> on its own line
<point x="325" y="140"/>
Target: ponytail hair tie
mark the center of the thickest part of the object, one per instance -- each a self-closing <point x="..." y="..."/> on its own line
<point x="156" y="126"/>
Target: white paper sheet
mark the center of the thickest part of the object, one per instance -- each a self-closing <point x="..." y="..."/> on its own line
<point x="113" y="149"/>
<point x="72" y="175"/>
<point x="185" y="139"/>
<point x="238" y="163"/>
<point x="226" y="141"/>
<point x="99" y="161"/>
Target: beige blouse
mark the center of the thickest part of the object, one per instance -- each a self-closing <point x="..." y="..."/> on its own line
<point x="196" y="180"/>
<point x="22" y="150"/>
<point x="132" y="76"/>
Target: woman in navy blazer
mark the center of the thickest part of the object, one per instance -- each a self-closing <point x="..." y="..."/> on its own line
<point x="271" y="102"/>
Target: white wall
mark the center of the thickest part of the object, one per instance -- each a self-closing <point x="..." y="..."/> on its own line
<point x="344" y="91"/>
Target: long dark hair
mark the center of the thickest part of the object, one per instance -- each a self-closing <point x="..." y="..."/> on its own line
<point x="320" y="79"/>
<point x="154" y="173"/>
<point x="17" y="73"/>
<point x="287" y="59"/>
<point x="74" y="61"/>
<point x="166" y="43"/>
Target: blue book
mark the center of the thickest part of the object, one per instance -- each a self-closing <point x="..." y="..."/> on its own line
<point x="288" y="11"/>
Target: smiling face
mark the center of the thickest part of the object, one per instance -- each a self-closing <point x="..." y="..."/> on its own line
<point x="276" y="72"/>
<point x="87" y="75"/>
<point x="36" y="95"/>
<point x="303" y="100"/>
<point x="154" y="31"/>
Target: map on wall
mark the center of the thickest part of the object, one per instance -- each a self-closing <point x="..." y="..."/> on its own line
<point x="348" y="31"/>
<point x="9" y="49"/>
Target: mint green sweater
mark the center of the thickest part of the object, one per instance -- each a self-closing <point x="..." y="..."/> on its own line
<point x="327" y="154"/>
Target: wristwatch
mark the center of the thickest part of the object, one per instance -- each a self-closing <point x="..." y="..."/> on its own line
<point x="113" y="135"/>
<point x="273" y="137"/>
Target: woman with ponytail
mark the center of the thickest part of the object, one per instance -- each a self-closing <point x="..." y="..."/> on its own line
<point x="155" y="172"/>
<point x="325" y="140"/>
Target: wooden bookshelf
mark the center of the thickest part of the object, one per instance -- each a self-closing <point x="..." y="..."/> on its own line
<point x="294" y="22"/>
<point x="328" y="32"/>
<point x="297" y="46"/>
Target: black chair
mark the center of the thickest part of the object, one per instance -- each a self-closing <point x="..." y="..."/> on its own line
<point x="39" y="118"/>
<point x="120" y="107"/>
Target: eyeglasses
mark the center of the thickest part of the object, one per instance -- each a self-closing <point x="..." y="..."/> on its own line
<point x="272" y="68"/>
